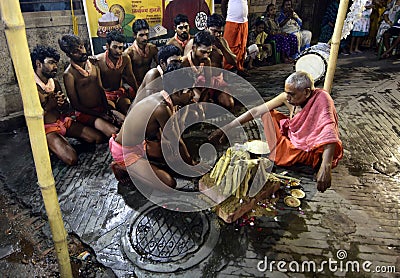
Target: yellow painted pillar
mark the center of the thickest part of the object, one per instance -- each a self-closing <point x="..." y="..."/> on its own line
<point x="335" y="44"/>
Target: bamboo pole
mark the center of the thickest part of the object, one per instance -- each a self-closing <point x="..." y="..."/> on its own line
<point x="74" y="20"/>
<point x="337" y="33"/>
<point x="18" y="47"/>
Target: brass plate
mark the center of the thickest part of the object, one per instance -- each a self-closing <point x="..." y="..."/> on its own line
<point x="298" y="193"/>
<point x="291" y="201"/>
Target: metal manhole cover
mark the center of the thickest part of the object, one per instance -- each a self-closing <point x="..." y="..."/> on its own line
<point x="162" y="240"/>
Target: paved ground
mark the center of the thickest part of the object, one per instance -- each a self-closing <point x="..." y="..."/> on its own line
<point x="355" y="221"/>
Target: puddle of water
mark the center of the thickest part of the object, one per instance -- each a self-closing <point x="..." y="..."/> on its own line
<point x="24" y="252"/>
<point x="232" y="246"/>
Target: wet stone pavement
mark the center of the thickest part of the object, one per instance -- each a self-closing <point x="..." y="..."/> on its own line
<point x="357" y="220"/>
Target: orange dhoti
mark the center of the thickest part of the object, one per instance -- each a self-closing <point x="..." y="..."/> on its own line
<point x="236" y="36"/>
<point x="60" y="126"/>
<point x="283" y="152"/>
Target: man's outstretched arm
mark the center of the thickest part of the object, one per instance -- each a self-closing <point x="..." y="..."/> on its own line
<point x="217" y="135"/>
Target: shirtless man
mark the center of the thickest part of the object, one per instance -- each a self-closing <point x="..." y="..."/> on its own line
<point x="137" y="152"/>
<point x="198" y="59"/>
<point x="114" y="65"/>
<point x="84" y="89"/>
<point x="168" y="54"/>
<point x="53" y="101"/>
<point x="141" y="52"/>
<point x="182" y="37"/>
<point x="220" y="51"/>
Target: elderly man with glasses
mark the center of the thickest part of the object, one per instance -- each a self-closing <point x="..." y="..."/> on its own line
<point x="308" y="135"/>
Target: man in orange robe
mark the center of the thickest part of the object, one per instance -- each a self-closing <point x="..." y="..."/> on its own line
<point x="236" y="31"/>
<point x="308" y="136"/>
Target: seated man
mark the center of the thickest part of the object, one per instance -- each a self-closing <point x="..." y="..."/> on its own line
<point x="220" y="51"/>
<point x="141" y="52"/>
<point x="146" y="133"/>
<point x="44" y="62"/>
<point x="182" y="37"/>
<point x="114" y="65"/>
<point x="84" y="89"/>
<point x="309" y="135"/>
<point x="198" y="59"/>
<point x="168" y="54"/>
<point x="392" y="31"/>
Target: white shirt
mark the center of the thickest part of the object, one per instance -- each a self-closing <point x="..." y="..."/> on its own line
<point x="237" y="11"/>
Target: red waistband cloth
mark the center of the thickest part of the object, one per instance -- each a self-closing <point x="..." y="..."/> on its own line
<point x="87" y="119"/>
<point x="60" y="126"/>
<point x="115" y="95"/>
<point x="302" y="138"/>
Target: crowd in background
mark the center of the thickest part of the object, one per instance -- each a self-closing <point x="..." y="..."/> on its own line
<point x="279" y="29"/>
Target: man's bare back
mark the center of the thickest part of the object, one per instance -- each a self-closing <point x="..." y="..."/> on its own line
<point x="151" y="84"/>
<point x="154" y="103"/>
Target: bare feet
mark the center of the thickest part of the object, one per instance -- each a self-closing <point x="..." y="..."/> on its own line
<point x="120" y="173"/>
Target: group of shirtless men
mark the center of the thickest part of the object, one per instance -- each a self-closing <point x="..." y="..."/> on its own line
<point x="103" y="88"/>
<point x="106" y="88"/>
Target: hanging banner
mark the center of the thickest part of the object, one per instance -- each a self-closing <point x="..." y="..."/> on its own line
<point x="102" y="16"/>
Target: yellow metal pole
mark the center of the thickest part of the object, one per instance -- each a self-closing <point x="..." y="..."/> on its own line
<point x="337" y="33"/>
<point x="18" y="47"/>
<point x="74" y="20"/>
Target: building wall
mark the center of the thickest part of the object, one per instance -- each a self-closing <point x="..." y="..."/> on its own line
<point x="41" y="28"/>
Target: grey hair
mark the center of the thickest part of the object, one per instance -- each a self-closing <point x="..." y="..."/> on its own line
<point x="300" y="80"/>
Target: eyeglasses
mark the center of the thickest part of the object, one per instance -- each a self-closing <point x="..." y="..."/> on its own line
<point x="184" y="26"/>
